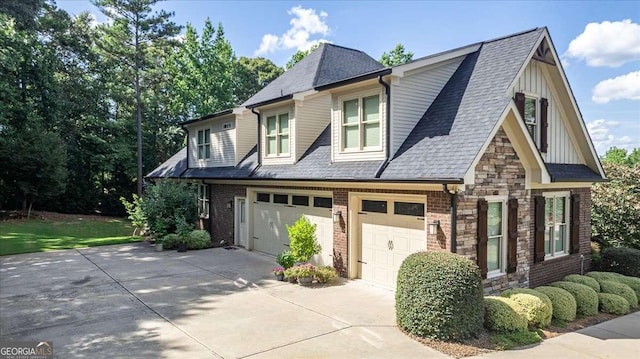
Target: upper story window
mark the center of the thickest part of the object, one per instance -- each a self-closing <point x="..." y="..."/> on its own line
<point x="204" y="144"/>
<point x="361" y="124"/>
<point x="556" y="217"/>
<point x="277" y="135"/>
<point x="531" y="117"/>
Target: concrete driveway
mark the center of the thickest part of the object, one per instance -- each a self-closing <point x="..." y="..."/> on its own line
<point x="127" y="301"/>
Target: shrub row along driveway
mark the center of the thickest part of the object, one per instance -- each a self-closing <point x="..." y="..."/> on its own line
<point x="129" y="301"/>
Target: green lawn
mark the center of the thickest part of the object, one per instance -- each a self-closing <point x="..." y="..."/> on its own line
<point x="43" y="235"/>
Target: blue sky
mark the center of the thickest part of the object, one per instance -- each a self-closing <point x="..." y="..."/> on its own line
<point x="600" y="49"/>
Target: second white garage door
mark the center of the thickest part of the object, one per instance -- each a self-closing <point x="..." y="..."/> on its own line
<point x="390" y="230"/>
<point x="274" y="211"/>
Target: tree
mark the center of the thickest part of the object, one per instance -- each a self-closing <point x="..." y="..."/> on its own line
<point x="616" y="155"/>
<point x="252" y="75"/>
<point x="136" y="30"/>
<point x="634" y="157"/>
<point x="299" y="55"/>
<point x="616" y="207"/>
<point x="395" y="57"/>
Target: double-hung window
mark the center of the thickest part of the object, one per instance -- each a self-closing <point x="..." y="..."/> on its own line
<point x="556" y="215"/>
<point x="496" y="239"/>
<point x="203" y="200"/>
<point x="531" y="117"/>
<point x="361" y="123"/>
<point x="204" y="144"/>
<point x="277" y="135"/>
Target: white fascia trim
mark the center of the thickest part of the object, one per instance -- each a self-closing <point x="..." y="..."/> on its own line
<point x="430" y="60"/>
<point x="302" y="95"/>
<point x="524" y="65"/>
<point x="240" y="110"/>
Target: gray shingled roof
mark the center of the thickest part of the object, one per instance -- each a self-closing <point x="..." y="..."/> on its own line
<point x="243" y="170"/>
<point x="326" y="65"/>
<point x="562" y="172"/>
<point x="452" y="131"/>
<point x="171" y="168"/>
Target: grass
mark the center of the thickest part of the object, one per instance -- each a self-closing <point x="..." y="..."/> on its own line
<point x="36" y="235"/>
<point x="506" y="341"/>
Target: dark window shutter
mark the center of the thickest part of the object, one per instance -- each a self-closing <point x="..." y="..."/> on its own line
<point x="538" y="241"/>
<point x="512" y="235"/>
<point x="520" y="103"/>
<point x="544" y="124"/>
<point x="575" y="224"/>
<point x="482" y="237"/>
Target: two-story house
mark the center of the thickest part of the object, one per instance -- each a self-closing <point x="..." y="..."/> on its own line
<point x="480" y="150"/>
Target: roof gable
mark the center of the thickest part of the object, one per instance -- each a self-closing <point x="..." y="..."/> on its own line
<point x="326" y="65"/>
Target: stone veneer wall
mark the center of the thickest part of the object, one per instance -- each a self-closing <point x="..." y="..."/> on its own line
<point x="499" y="173"/>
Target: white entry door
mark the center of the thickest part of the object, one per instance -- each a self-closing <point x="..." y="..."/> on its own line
<point x="390" y="230"/>
<point x="242" y="238"/>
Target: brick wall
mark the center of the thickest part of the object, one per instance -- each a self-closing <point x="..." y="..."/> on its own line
<point x="341" y="232"/>
<point x="498" y="173"/>
<point x="551" y="270"/>
<point x="221" y="217"/>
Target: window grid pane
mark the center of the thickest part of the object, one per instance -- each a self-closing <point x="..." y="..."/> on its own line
<point x="351" y="136"/>
<point x="494" y="218"/>
<point x="271" y="126"/>
<point x="284" y="144"/>
<point x="350" y="109"/>
<point x="371" y="135"/>
<point x="374" y="206"/>
<point x="284" y="123"/>
<point x="371" y="108"/>
<point x="493" y="253"/>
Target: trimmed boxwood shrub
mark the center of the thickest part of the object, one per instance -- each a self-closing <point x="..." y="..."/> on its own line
<point x="586" y="298"/>
<point x="612" y="303"/>
<point x="536" y="307"/>
<point x="439" y="296"/>
<point x="563" y="303"/>
<point x="621" y="260"/>
<point x="198" y="239"/>
<point x="621" y="289"/>
<point x="632" y="282"/>
<point x="503" y="314"/>
<point x="170" y="241"/>
<point x="583" y="279"/>
<point x="600" y="276"/>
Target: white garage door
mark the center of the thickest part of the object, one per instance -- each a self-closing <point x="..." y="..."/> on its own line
<point x="274" y="211"/>
<point x="390" y="230"/>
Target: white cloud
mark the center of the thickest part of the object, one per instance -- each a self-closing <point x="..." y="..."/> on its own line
<point x="603" y="138"/>
<point x="304" y="24"/>
<point x="609" y="43"/>
<point x="625" y="87"/>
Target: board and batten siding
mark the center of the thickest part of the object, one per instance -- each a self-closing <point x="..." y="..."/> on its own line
<point x="222" y="142"/>
<point x="337" y="155"/>
<point x="312" y="117"/>
<point x="561" y="147"/>
<point x="246" y="134"/>
<point x="412" y="95"/>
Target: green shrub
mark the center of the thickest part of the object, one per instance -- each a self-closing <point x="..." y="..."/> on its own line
<point x="198" y="239"/>
<point x="164" y="202"/>
<point x="326" y="274"/>
<point x="134" y="211"/>
<point x="600" y="276"/>
<point x="536" y="306"/>
<point x="621" y="260"/>
<point x="621" y="289"/>
<point x="170" y="241"/>
<point x="302" y="239"/>
<point x="285" y="259"/>
<point x="506" y="341"/>
<point x="612" y="303"/>
<point x="503" y="314"/>
<point x="562" y="302"/>
<point x="586" y="298"/>
<point x="583" y="279"/>
<point x="300" y="271"/>
<point x="439" y="296"/>
<point x="632" y="282"/>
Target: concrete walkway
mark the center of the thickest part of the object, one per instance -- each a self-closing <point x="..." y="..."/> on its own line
<point x="127" y="301"/>
<point x="618" y="338"/>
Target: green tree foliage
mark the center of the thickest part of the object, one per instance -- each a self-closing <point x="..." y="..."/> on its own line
<point x="615" y="207"/>
<point x="303" y="240"/>
<point x="299" y="55"/>
<point x="397" y="56"/>
<point x="252" y="74"/>
<point x="616" y="155"/>
<point x="167" y="205"/>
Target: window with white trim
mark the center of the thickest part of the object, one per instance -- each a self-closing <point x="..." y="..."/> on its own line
<point x="277" y="135"/>
<point x="556" y="219"/>
<point x="496" y="239"/>
<point x="361" y="123"/>
<point x="204" y="144"/>
<point x="531" y="117"/>
<point x="203" y="200"/>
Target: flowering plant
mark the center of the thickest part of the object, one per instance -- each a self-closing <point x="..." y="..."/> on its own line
<point x="278" y="270"/>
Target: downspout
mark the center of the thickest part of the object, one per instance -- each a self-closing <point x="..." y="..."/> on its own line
<point x="383" y="165"/>
<point x="188" y="150"/>
<point x="258" y="151"/>
<point x="453" y="196"/>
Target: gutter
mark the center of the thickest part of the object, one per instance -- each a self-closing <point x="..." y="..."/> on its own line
<point x="453" y="196"/>
<point x="258" y="147"/>
<point x="387" y="152"/>
<point x="207" y="117"/>
<point x="370" y="75"/>
<point x="348" y="180"/>
<point x="268" y="102"/>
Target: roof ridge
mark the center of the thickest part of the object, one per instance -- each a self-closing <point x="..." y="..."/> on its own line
<point x="344" y="47"/>
<point x="511" y="35"/>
